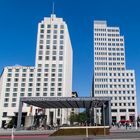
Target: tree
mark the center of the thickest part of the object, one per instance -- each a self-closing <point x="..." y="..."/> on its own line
<point x="80" y="118"/>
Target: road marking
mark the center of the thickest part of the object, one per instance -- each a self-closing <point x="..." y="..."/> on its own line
<point x="22" y="137"/>
<point x="122" y="139"/>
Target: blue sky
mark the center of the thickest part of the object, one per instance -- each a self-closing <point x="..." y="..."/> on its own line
<point x="18" y="31"/>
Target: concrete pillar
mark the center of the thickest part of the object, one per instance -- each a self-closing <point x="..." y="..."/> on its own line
<point x="107" y="109"/>
<point x="61" y="117"/>
<point x="102" y="114"/>
<point x="19" y="114"/>
<point x="106" y="118"/>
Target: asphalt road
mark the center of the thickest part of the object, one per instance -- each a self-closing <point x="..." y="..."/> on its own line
<point x="113" y="136"/>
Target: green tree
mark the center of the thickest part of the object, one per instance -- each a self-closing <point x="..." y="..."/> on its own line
<point x="80" y="118"/>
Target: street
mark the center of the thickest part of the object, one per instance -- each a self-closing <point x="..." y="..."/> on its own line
<point x="113" y="136"/>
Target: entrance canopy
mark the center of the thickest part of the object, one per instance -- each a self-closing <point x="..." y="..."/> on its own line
<point x="66" y="102"/>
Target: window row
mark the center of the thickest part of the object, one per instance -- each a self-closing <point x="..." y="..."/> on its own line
<point x="55" y="26"/>
<point x="53" y="58"/>
<point x="49" y="31"/>
<point x="122" y="104"/>
<point x="113" y="86"/>
<point x="18" y="70"/>
<point x="114" y="92"/>
<point x="54" y="47"/>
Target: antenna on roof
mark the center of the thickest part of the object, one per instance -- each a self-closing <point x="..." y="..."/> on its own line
<point x="53" y="8"/>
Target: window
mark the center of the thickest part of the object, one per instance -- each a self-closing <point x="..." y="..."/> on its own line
<point x="45" y="89"/>
<point x="47" y="47"/>
<point x="21" y="94"/>
<point x="48" y="26"/>
<point x="29" y="94"/>
<point x="53" y="70"/>
<point x="54" y="41"/>
<point x="22" y="89"/>
<point x="23" y="79"/>
<point x="13" y="99"/>
<point x="37" y="94"/>
<point x="41" y="31"/>
<point x="41" y="47"/>
<point x="13" y="104"/>
<point x="39" y="57"/>
<point x="53" y="74"/>
<point x="48" y="36"/>
<point x="59" y="79"/>
<point x="16" y="79"/>
<point x="54" y="52"/>
<point x="51" y="94"/>
<point x="42" y="25"/>
<point x="37" y="89"/>
<point x="5" y="105"/>
<point x="48" y="42"/>
<point x="24" y="70"/>
<point x="60" y="58"/>
<point x="61" y="47"/>
<point x="14" y="94"/>
<point x="62" y="26"/>
<point x="9" y="75"/>
<point x="61" y="41"/>
<point x="41" y="36"/>
<point x="44" y="94"/>
<point x="8" y="84"/>
<point x="9" y="70"/>
<point x="4" y="114"/>
<point x="48" y="31"/>
<point x="52" y="89"/>
<point x="8" y="79"/>
<point x="122" y="110"/>
<point x="7" y="89"/>
<point x="55" y="37"/>
<point x="61" y="31"/>
<point x="114" y="110"/>
<point x="23" y="75"/>
<point x="6" y="94"/>
<point x="54" y="58"/>
<point x="55" y="26"/>
<point x="61" y="37"/>
<point x="59" y="89"/>
<point x="55" y="31"/>
<point x="59" y="84"/>
<point x="60" y="70"/>
<point x="47" y="57"/>
<point x="60" y="65"/>
<point x="54" y="46"/>
<point x="6" y="100"/>
<point x="59" y="94"/>
<point x="52" y="84"/>
<point x="45" y="84"/>
<point x="131" y="110"/>
<point x="61" y="53"/>
<point x="29" y="89"/>
<point x="59" y="74"/>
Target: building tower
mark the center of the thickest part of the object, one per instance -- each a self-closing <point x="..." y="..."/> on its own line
<point x="111" y="78"/>
<point x="51" y="76"/>
<point x="53" y="62"/>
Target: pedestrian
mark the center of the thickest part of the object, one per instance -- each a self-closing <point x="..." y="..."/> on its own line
<point x="126" y="125"/>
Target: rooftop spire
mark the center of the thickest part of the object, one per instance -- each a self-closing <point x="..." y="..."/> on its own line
<point x="53" y="9"/>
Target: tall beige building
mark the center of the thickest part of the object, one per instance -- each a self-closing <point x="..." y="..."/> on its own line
<point x="51" y="76"/>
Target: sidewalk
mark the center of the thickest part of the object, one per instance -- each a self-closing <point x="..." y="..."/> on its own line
<point x="123" y="129"/>
<point x="8" y="132"/>
<point x="113" y="130"/>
